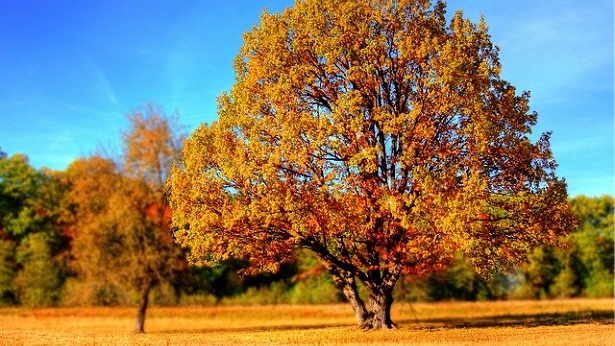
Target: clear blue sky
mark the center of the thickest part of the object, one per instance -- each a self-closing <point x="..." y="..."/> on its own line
<point x="71" y="70"/>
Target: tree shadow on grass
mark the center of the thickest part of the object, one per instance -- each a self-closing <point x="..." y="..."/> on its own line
<point x="508" y="320"/>
<point x="514" y="320"/>
<point x="255" y="329"/>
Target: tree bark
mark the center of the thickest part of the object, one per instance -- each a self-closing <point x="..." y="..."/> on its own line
<point x="379" y="309"/>
<point x="346" y="283"/>
<point x="143" y="302"/>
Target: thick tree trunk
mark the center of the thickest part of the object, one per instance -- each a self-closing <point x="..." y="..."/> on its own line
<point x="377" y="313"/>
<point x="143" y="302"/>
<point x="379" y="309"/>
<point x="346" y="283"/>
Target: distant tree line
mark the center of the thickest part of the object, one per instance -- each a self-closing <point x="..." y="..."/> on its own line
<point x="98" y="233"/>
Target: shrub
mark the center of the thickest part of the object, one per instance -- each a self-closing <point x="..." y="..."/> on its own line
<point x="39" y="282"/>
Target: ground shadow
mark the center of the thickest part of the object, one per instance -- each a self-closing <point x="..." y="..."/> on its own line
<point x="515" y="320"/>
<point x="508" y="320"/>
<point x="254" y="329"/>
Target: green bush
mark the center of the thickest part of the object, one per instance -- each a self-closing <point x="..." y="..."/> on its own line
<point x="314" y="290"/>
<point x="199" y="299"/>
<point x="275" y="293"/>
<point x="565" y="284"/>
<point x="600" y="284"/>
<point x="38" y="283"/>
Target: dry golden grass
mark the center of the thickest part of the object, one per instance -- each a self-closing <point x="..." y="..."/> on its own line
<point x="561" y="322"/>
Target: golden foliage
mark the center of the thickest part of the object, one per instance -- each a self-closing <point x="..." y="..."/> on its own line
<point x="376" y="135"/>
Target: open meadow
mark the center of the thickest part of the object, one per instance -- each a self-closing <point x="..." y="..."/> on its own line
<point x="558" y="322"/>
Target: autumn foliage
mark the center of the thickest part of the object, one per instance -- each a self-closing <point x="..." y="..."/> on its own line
<point x="377" y="135"/>
<point x="122" y="215"/>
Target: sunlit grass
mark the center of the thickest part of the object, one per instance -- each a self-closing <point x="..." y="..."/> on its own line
<point x="560" y="322"/>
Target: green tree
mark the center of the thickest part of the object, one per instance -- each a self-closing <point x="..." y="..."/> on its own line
<point x="539" y="273"/>
<point x="593" y="244"/>
<point x="39" y="281"/>
<point x="376" y="135"/>
<point x="31" y="233"/>
<point x="566" y="283"/>
<point x="583" y="265"/>
<point x="19" y="192"/>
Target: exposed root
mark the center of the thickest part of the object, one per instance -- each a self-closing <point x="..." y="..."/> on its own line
<point x="370" y="325"/>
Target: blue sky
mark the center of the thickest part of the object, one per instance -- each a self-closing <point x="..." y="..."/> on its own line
<point x="71" y="70"/>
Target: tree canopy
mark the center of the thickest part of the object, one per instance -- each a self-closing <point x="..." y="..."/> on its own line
<point x="377" y="136"/>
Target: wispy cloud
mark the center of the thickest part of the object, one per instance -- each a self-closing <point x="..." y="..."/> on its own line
<point x="179" y="66"/>
<point x="100" y="82"/>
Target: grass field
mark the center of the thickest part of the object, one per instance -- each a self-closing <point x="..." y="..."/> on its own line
<point x="560" y="322"/>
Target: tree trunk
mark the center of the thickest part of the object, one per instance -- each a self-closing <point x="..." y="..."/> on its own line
<point x="346" y="283"/>
<point x="379" y="309"/>
<point x="143" y="301"/>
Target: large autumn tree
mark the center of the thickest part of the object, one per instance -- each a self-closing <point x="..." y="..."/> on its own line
<point x="377" y="135"/>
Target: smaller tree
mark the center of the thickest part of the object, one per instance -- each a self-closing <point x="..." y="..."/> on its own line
<point x="151" y="145"/>
<point x="122" y="211"/>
